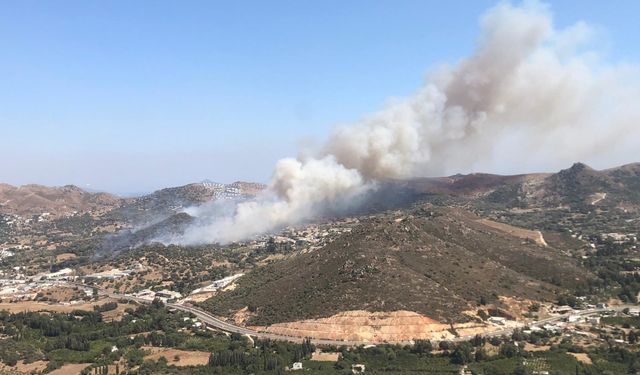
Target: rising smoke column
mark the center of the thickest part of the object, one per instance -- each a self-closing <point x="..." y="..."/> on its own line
<point x="529" y="92"/>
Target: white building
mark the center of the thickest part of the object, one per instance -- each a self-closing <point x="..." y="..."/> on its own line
<point x="357" y="369"/>
<point x="165" y="295"/>
<point x="218" y="284"/>
<point x="634" y="312"/>
<point x="574" y="318"/>
<point x="296" y="366"/>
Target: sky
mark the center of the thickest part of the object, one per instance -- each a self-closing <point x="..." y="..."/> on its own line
<point x="130" y="97"/>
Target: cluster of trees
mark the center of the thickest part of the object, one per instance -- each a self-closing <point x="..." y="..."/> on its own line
<point x="32" y="332"/>
<point x="231" y="358"/>
<point x="267" y="356"/>
<point x="188" y="269"/>
<point x="612" y="281"/>
<point x="109" y="306"/>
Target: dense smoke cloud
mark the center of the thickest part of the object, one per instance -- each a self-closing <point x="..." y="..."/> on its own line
<point x="529" y="91"/>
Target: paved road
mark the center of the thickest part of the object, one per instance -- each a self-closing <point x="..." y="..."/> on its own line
<point x="212" y="321"/>
<point x="220" y="324"/>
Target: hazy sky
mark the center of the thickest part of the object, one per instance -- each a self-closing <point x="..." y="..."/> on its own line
<point x="131" y="96"/>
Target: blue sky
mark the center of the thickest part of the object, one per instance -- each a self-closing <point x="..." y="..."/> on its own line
<point x="131" y="96"/>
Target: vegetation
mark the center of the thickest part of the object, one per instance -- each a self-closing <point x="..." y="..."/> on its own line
<point x="432" y="247"/>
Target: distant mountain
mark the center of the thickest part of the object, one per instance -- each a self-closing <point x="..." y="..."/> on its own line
<point x="38" y="199"/>
<point x="578" y="187"/>
<point x="471" y="185"/>
<point x="166" y="202"/>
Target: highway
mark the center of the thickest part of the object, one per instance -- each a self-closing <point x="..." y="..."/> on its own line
<point x="222" y="325"/>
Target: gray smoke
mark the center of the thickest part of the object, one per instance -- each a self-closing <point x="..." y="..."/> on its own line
<point x="529" y="92"/>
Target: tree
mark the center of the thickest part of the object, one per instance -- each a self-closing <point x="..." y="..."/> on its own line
<point x="462" y="354"/>
<point x="444" y="345"/>
<point x="483" y="315"/>
<point x="508" y="350"/>
<point x="422" y="347"/>
<point x="521" y="370"/>
<point x="478" y="341"/>
<point x="481" y="355"/>
<point x="517" y="335"/>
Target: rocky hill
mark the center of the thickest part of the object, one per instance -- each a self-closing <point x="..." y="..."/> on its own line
<point x="577" y="187"/>
<point x="166" y="202"/>
<point x="38" y="199"/>
<point x="473" y="185"/>
<point x="439" y="262"/>
<point x="127" y="239"/>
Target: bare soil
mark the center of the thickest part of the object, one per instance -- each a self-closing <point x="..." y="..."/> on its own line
<point x="29" y="367"/>
<point x="185" y="358"/>
<point x="325" y="357"/>
<point x="70" y="369"/>
<point x="532" y="235"/>
<point x="582" y="357"/>
<point x="23" y="306"/>
<point x="117" y="314"/>
<point x="65" y="256"/>
<point x="376" y="327"/>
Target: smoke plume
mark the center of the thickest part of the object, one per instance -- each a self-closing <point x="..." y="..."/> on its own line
<point x="529" y="92"/>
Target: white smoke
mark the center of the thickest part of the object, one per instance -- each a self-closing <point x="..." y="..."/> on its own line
<point x="529" y="92"/>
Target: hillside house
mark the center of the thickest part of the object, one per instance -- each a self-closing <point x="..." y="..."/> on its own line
<point x="357" y="368"/>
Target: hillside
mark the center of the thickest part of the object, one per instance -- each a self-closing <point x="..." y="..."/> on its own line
<point x="435" y="261"/>
<point x="127" y="239"/>
<point x="577" y="187"/>
<point x="38" y="199"/>
<point x="165" y="202"/>
<point x="471" y="185"/>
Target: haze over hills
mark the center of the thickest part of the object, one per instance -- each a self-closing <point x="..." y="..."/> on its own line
<point x="578" y="186"/>
<point x="165" y="202"/>
<point x="426" y="258"/>
<point x="35" y="199"/>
